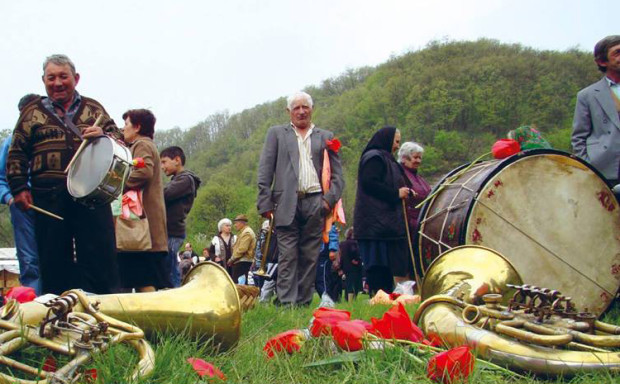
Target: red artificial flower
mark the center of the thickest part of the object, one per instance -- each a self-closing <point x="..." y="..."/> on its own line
<point x="394" y="296"/>
<point x="348" y="335"/>
<point x="50" y="364"/>
<point x="504" y="148"/>
<point x="363" y="323"/>
<point x="433" y="341"/>
<point x="324" y="325"/>
<point x="325" y="319"/>
<point x="451" y="366"/>
<point x="90" y="375"/>
<point x="333" y="145"/>
<point x="203" y="368"/>
<point x="138" y="162"/>
<point x="289" y="341"/>
<point x="21" y="294"/>
<point x="396" y="324"/>
<point x="332" y="312"/>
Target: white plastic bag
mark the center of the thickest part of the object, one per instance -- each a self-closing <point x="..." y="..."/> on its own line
<point x="405" y="287"/>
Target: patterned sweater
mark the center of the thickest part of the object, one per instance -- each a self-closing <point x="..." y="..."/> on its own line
<point x="43" y="143"/>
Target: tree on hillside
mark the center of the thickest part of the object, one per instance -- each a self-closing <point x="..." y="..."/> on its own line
<point x="453" y="97"/>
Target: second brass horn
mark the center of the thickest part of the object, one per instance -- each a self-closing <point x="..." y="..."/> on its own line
<point x="460" y="280"/>
<point x="206" y="306"/>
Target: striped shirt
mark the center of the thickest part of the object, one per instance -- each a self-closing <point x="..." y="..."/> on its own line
<point x="308" y="178"/>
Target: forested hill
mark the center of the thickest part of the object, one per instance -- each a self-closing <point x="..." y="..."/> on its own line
<point x="455" y="98"/>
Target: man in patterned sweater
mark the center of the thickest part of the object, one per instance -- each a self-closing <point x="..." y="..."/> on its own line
<point x="80" y="251"/>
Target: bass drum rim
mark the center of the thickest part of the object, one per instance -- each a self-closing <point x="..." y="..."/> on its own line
<point x="463" y="203"/>
<point x="500" y="166"/>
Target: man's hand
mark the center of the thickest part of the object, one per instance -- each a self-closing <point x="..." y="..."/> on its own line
<point x="325" y="209"/>
<point x="92" y="131"/>
<point x="23" y="200"/>
<point x="267" y="215"/>
<point x="403" y="192"/>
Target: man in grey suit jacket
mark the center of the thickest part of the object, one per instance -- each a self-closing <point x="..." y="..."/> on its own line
<point x="596" y="125"/>
<point x="289" y="187"/>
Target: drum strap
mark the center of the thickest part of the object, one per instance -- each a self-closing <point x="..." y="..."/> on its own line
<point x="72" y="126"/>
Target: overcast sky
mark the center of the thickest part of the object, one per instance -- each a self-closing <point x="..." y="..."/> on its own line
<point x="188" y="59"/>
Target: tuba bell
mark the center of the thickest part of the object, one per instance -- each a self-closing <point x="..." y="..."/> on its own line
<point x="206" y="307"/>
<point x="474" y="296"/>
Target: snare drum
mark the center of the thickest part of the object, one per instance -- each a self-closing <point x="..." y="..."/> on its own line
<point x="551" y="214"/>
<point x="99" y="172"/>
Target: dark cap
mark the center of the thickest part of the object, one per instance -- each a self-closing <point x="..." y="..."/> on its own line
<point x="241" y="218"/>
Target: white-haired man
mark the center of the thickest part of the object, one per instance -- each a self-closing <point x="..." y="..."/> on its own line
<point x="289" y="187"/>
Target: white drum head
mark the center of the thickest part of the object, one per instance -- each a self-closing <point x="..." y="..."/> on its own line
<point x="91" y="167"/>
<point x="558" y="223"/>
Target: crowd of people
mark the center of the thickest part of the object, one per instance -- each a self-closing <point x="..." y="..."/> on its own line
<point x="300" y="184"/>
<point x="79" y="245"/>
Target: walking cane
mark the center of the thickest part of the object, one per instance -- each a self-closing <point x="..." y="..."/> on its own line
<point x="263" y="261"/>
<point x="415" y="271"/>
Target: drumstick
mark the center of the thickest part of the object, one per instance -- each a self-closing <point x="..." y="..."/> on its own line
<point x="82" y="145"/>
<point x="43" y="211"/>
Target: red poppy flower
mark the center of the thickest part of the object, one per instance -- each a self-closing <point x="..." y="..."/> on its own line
<point x="138" y="162"/>
<point x="289" y="341"/>
<point x="203" y="368"/>
<point x="50" y="364"/>
<point x="333" y="145"/>
<point x="504" y="148"/>
<point x="348" y="335"/>
<point x="396" y="324"/>
<point x="451" y="366"/>
<point x="21" y="294"/>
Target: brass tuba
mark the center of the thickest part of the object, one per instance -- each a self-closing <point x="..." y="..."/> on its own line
<point x="206" y="306"/>
<point x="474" y="296"/>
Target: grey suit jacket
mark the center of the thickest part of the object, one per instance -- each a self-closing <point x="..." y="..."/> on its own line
<point x="278" y="172"/>
<point x="596" y="129"/>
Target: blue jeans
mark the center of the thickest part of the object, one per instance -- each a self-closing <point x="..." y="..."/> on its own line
<point x="26" y="245"/>
<point x="172" y="264"/>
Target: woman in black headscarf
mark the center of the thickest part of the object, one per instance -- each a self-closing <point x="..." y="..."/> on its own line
<point x="379" y="220"/>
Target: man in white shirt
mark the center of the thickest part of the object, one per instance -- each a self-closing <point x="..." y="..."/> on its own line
<point x="289" y="188"/>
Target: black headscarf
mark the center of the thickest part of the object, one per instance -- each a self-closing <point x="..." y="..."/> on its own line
<point x="382" y="140"/>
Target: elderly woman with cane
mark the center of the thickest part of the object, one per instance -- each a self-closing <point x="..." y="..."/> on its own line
<point x="380" y="227"/>
<point x="410" y="158"/>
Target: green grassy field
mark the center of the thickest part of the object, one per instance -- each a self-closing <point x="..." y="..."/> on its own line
<point x="247" y="363"/>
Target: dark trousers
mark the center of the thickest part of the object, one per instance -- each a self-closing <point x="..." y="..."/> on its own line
<point x="79" y="251"/>
<point x="299" y="245"/>
<point x="328" y="280"/>
<point x="240" y="269"/>
<point x="379" y="277"/>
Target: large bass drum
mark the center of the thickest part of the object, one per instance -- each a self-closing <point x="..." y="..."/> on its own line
<point x="551" y="214"/>
<point x="99" y="172"/>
